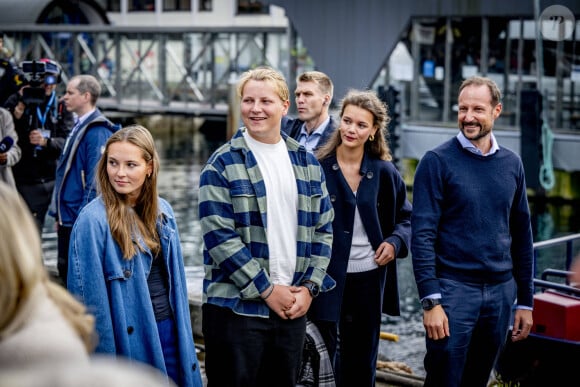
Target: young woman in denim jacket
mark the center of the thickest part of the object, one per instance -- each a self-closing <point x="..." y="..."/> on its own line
<point x="126" y="264"/>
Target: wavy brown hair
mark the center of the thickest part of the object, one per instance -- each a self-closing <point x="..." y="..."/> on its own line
<point x="128" y="224"/>
<point x="369" y="101"/>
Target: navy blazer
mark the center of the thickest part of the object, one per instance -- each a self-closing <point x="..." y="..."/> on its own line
<point x="386" y="215"/>
<point x="292" y="128"/>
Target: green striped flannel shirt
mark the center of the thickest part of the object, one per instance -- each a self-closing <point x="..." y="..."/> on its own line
<point x="232" y="212"/>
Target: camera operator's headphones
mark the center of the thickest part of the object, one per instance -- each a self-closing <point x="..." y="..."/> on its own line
<point x="52" y="71"/>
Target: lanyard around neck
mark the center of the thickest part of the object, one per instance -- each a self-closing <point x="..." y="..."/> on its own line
<point x="42" y="117"/>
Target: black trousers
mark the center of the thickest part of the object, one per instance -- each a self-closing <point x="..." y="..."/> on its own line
<point x="242" y="351"/>
<point x="359" y="329"/>
<point x="63" y="238"/>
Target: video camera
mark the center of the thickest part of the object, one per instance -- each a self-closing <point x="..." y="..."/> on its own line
<point x="38" y="73"/>
<point x="35" y="72"/>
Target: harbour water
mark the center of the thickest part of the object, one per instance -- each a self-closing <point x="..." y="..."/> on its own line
<point x="183" y="153"/>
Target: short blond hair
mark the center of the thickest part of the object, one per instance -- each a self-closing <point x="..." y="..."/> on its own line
<point x="266" y="74"/>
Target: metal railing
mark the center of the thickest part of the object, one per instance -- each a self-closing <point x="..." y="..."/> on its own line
<point x="164" y="69"/>
<point x="567" y="240"/>
<point x="562" y="284"/>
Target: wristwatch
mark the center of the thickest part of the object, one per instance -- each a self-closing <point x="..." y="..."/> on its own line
<point x="430" y="303"/>
<point x="313" y="289"/>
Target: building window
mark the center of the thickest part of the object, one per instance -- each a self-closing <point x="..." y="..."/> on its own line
<point x="205" y="5"/>
<point x="63" y="13"/>
<point x="176" y="5"/>
<point x="142" y="5"/>
<point x="252" y="7"/>
<point x="113" y="5"/>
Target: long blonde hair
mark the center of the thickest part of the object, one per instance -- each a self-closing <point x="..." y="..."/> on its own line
<point x="22" y="271"/>
<point x="128" y="223"/>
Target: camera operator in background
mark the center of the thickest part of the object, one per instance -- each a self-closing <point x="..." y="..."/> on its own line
<point x="11" y="79"/>
<point x="43" y="124"/>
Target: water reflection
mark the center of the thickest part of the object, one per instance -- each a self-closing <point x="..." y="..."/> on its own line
<point x="183" y="154"/>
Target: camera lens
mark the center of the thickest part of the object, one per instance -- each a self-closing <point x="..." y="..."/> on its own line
<point x="50" y="80"/>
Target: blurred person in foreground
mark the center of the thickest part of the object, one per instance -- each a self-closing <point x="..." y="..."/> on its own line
<point x="266" y="221"/>
<point x="472" y="244"/>
<point x="46" y="336"/>
<point x="126" y="263"/>
<point x="42" y="130"/>
<point x="372" y="228"/>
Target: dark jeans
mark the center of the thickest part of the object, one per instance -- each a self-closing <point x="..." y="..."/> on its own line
<point x="168" y="336"/>
<point x="63" y="238"/>
<point x="479" y="317"/>
<point x="359" y="329"/>
<point x="37" y="197"/>
<point x="242" y="351"/>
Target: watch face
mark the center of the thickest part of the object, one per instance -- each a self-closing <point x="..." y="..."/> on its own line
<point x="429" y="303"/>
<point x="315" y="290"/>
<point x="312" y="288"/>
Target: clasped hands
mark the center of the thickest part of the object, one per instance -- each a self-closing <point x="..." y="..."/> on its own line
<point x="288" y="302"/>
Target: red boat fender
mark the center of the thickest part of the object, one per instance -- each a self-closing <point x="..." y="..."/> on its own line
<point x="557" y="315"/>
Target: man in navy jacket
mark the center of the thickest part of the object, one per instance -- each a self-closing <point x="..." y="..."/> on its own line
<point x="314" y="126"/>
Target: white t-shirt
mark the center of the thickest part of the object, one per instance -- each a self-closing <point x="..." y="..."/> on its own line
<point x="362" y="255"/>
<point x="281" y="201"/>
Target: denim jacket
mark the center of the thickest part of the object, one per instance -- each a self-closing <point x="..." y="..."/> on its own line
<point x="115" y="290"/>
